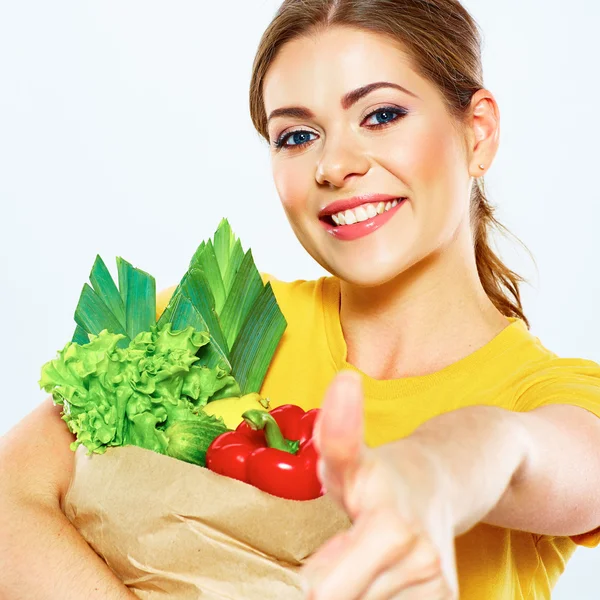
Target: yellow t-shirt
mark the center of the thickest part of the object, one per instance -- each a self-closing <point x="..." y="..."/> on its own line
<point x="513" y="371"/>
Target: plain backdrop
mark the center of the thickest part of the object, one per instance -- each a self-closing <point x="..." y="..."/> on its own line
<point x="125" y="130"/>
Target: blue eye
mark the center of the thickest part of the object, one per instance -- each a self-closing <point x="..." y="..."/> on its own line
<point x="385" y="116"/>
<point x="299" y="138"/>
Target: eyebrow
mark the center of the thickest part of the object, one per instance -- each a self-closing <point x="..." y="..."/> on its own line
<point x="348" y="100"/>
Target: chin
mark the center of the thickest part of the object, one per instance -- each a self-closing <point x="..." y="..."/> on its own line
<point x="367" y="278"/>
<point x="369" y="273"/>
<point x="372" y="261"/>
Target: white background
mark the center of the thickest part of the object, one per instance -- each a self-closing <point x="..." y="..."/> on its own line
<point x="125" y="130"/>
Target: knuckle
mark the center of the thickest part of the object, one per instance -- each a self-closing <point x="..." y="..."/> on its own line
<point x="429" y="564"/>
<point x="402" y="536"/>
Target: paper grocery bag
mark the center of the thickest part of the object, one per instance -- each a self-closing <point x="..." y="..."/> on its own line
<point x="170" y="529"/>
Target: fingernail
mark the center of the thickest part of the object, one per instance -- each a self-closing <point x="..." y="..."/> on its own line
<point x="349" y="377"/>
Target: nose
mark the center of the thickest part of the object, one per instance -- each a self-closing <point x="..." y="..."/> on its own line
<point x="342" y="158"/>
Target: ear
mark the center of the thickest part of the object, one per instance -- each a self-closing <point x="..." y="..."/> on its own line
<point x="484" y="132"/>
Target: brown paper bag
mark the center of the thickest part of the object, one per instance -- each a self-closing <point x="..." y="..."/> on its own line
<point x="171" y="529"/>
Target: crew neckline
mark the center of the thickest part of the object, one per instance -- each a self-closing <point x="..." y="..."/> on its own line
<point x="391" y="388"/>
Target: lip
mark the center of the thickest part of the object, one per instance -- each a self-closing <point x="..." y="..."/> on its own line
<point x="358" y="230"/>
<point x="350" y="203"/>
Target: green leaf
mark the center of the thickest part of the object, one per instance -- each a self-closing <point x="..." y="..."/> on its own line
<point x="105" y="287"/>
<point x="122" y="269"/>
<point x="225" y="288"/>
<point x="140" y="303"/>
<point x="223" y="245"/>
<point x="229" y="254"/>
<point x="257" y="341"/>
<point x="235" y="261"/>
<point x="184" y="314"/>
<point x="207" y="263"/>
<point x="197" y="255"/>
<point x="126" y="310"/>
<point x="229" y="391"/>
<point x="195" y="287"/>
<point x="80" y="336"/>
<point x="204" y="382"/>
<point x="246" y="288"/>
<point x="94" y="316"/>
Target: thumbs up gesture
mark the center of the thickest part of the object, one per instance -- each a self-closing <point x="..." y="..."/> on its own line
<point x="401" y="543"/>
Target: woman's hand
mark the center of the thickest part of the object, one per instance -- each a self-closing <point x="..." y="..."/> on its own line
<point x="401" y="544"/>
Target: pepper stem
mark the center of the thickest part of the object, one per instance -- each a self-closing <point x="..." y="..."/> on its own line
<point x="261" y="419"/>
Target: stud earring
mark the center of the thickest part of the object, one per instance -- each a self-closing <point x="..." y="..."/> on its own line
<point x="482" y="167"/>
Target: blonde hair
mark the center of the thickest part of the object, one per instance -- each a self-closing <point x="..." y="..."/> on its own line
<point x="444" y="43"/>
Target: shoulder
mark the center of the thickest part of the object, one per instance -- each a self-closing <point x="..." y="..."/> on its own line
<point x="541" y="366"/>
<point x="528" y="374"/>
<point x="547" y="378"/>
<point x="555" y="370"/>
<point x="35" y="456"/>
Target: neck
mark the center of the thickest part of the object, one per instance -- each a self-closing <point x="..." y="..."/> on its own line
<point x="427" y="318"/>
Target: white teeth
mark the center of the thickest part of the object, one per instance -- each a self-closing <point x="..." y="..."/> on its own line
<point x="371" y="211"/>
<point x="361" y="214"/>
<point x="350" y="217"/>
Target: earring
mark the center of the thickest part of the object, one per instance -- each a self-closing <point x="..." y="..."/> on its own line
<point x="482" y="167"/>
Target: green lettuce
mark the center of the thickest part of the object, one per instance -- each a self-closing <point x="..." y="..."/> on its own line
<point x="117" y="396"/>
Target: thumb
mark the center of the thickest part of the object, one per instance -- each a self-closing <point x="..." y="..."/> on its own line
<point x="339" y="433"/>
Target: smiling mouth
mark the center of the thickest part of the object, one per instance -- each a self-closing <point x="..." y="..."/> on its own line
<point x="364" y="212"/>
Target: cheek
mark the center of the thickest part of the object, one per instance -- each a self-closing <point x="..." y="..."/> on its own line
<point x="425" y="155"/>
<point x="429" y="159"/>
<point x="442" y="165"/>
<point x="292" y="181"/>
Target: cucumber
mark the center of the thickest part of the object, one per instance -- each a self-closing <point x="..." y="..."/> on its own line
<point x="189" y="440"/>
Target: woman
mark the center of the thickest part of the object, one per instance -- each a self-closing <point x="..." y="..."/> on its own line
<point x="381" y="130"/>
<point x="495" y="435"/>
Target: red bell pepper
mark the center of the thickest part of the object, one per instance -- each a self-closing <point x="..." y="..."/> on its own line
<point x="273" y="451"/>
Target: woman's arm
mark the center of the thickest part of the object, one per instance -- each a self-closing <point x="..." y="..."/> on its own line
<point x="537" y="471"/>
<point x="546" y="460"/>
<point x="41" y="553"/>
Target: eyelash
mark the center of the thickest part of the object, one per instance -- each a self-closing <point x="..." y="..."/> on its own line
<point x="279" y="143"/>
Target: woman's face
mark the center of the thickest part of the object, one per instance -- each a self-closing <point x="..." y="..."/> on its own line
<point x="397" y="143"/>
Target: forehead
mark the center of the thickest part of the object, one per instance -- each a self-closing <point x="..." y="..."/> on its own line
<point x="322" y="67"/>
